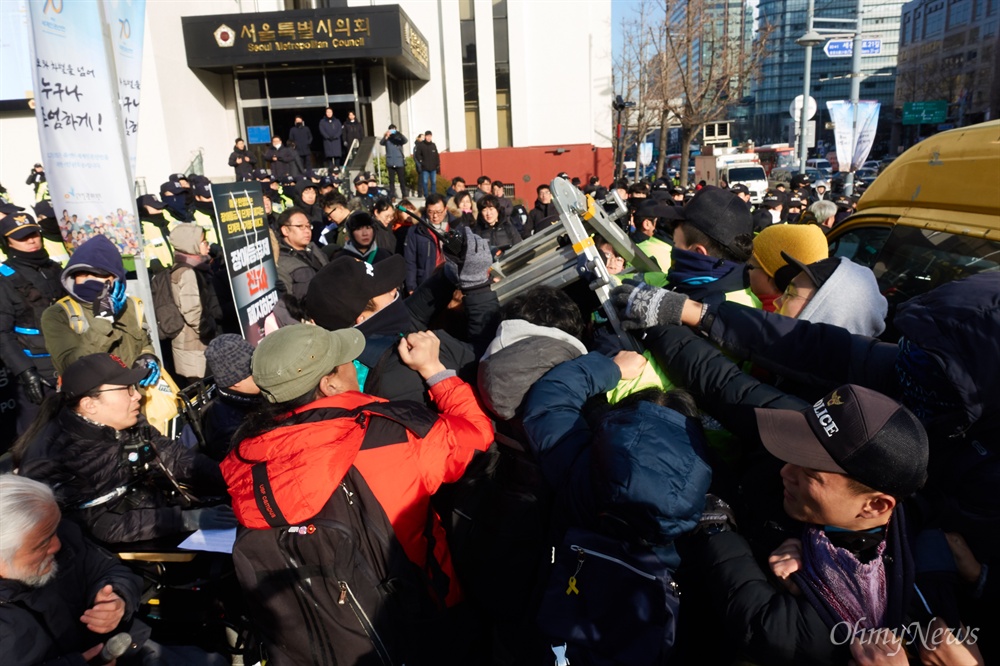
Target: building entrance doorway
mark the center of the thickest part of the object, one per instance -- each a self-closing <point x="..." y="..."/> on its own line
<point x="268" y="100"/>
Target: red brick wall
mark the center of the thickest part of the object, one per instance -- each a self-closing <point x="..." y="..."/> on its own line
<point x="527" y="168"/>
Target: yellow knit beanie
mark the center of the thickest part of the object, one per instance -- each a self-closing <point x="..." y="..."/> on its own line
<point x="805" y="242"/>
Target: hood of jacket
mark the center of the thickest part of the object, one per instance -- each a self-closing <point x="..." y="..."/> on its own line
<point x="959" y="325"/>
<point x="305" y="462"/>
<point x="519" y="355"/>
<point x="851" y="299"/>
<point x="186" y="238"/>
<point x="98" y="252"/>
<point x="649" y="471"/>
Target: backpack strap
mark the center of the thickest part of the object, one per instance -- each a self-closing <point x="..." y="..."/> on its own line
<point x="264" y="496"/>
<point x="77" y="321"/>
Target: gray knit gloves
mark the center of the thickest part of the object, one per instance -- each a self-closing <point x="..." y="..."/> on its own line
<point x="473" y="270"/>
<point x="644" y="306"/>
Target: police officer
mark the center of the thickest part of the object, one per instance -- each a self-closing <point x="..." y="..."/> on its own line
<point x="29" y="283"/>
<point x="37" y="180"/>
<point x="174" y="195"/>
<point x="52" y="239"/>
<point x="155" y="233"/>
<point x="204" y="209"/>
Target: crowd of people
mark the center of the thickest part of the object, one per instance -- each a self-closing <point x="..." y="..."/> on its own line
<point x="773" y="473"/>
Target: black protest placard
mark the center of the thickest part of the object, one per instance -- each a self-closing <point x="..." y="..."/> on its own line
<point x="243" y="234"/>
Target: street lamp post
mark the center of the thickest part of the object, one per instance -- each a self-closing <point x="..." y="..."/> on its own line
<point x="808" y="40"/>
<point x="855" y="97"/>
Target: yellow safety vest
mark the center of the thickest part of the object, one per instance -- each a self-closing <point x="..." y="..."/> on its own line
<point x="206" y="222"/>
<point x="744" y="297"/>
<point x="56" y="250"/>
<point x="658" y="250"/>
<point x="171" y="218"/>
<point x="155" y="246"/>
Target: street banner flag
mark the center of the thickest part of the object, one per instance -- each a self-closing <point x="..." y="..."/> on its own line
<point x="853" y="151"/>
<point x="126" y="20"/>
<point x="243" y="234"/>
<point x="75" y="105"/>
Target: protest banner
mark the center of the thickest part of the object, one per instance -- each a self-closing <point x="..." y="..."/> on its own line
<point x="75" y="105"/>
<point x="126" y="20"/>
<point x="246" y="243"/>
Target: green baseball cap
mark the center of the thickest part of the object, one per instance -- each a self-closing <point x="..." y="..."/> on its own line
<point x="292" y="360"/>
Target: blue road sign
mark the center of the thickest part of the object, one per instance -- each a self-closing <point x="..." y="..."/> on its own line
<point x="844" y="48"/>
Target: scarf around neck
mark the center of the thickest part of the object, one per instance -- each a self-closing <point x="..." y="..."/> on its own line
<point x="694" y="268"/>
<point x="854" y="590"/>
<point x="38" y="258"/>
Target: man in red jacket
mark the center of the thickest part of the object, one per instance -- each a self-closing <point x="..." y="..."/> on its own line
<point x="303" y="370"/>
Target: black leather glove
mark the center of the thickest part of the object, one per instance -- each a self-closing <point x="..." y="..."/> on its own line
<point x="33" y="385"/>
<point x="208" y="518"/>
<point x="717" y="517"/>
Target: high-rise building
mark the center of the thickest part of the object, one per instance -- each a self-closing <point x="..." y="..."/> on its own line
<point x="780" y="78"/>
<point x="949" y="51"/>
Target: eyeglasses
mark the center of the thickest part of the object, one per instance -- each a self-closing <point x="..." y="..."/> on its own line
<point x="130" y="388"/>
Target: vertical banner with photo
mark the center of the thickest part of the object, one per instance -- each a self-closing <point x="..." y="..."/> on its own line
<point x="126" y="21"/>
<point x="75" y="99"/>
<point x="243" y="234"/>
<point x="853" y="151"/>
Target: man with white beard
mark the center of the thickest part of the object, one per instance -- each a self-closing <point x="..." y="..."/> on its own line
<point x="60" y="596"/>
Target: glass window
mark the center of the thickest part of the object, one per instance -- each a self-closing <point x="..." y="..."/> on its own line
<point x="252" y="86"/>
<point x="909" y="261"/>
<point x="501" y="45"/>
<point x="466" y="10"/>
<point x="861" y="244"/>
<point x="468" y="31"/>
<point x="472" y="126"/>
<point x="499" y="8"/>
<point x="339" y="81"/>
<point x="295" y="83"/>
<point x="471" y="80"/>
<point x="505" y="138"/>
<point x="915" y="261"/>
<point x="958" y="13"/>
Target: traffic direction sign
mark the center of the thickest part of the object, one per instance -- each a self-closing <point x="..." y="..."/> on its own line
<point x="844" y="48"/>
<point x="930" y="112"/>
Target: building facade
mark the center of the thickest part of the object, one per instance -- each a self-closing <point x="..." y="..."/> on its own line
<point x="503" y="92"/>
<point x="950" y="51"/>
<point x="781" y="76"/>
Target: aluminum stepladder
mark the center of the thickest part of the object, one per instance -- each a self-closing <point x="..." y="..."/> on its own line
<point x="539" y="260"/>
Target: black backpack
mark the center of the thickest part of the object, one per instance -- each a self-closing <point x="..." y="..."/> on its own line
<point x="338" y="588"/>
<point x="169" y="320"/>
<point x="608" y="602"/>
